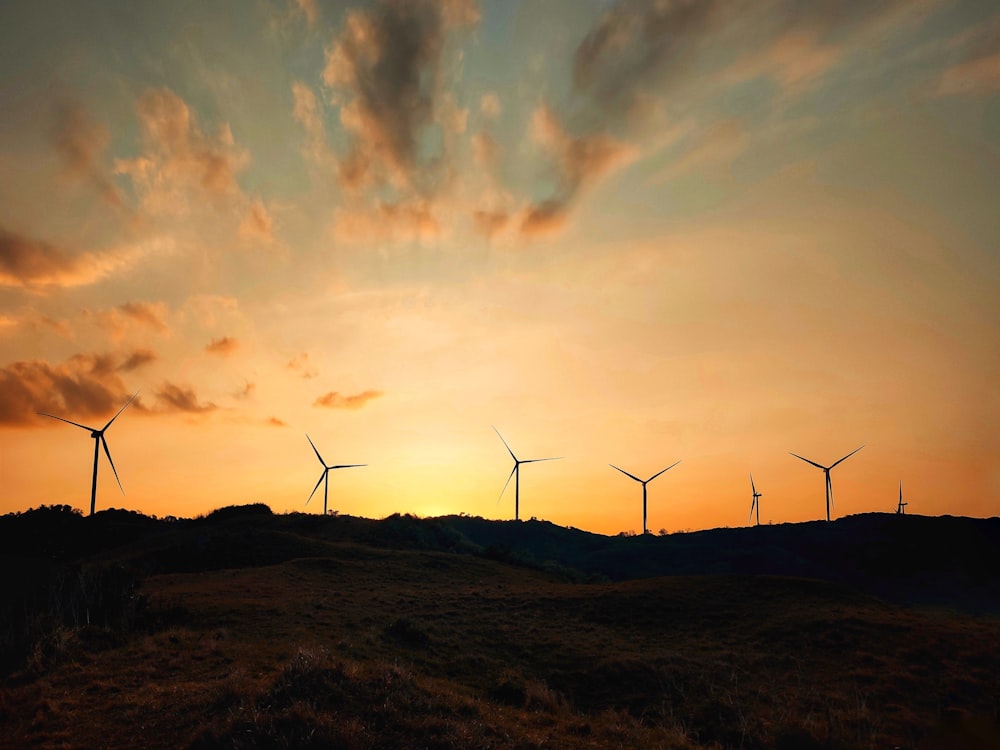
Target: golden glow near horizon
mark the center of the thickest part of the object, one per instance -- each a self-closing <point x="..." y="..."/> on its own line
<point x="619" y="232"/>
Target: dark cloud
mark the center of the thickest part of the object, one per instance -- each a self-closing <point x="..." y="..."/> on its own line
<point x="384" y="70"/>
<point x="224" y="346"/>
<point x="30" y="263"/>
<point x="85" y="386"/>
<point x="174" y="398"/>
<point x="81" y="141"/>
<point x="335" y="400"/>
<point x="137" y="359"/>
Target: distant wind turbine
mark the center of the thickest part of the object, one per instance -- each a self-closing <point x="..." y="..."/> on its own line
<point x="325" y="476"/>
<point x="901" y="508"/>
<point x="99" y="441"/>
<point x="644" y="483"/>
<point x="826" y="470"/>
<point x="516" y="473"/>
<point x="755" y="505"/>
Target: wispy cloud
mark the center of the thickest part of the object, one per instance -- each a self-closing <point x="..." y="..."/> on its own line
<point x="120" y="320"/>
<point x="336" y="400"/>
<point x="302" y="366"/>
<point x="81" y="142"/>
<point x="138" y="358"/>
<point x="223" y="346"/>
<point x="35" y="264"/>
<point x="980" y="76"/>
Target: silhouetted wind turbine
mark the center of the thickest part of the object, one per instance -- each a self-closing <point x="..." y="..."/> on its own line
<point x="644" y="483"/>
<point x="325" y="476"/>
<point x="900" y="509"/>
<point x="755" y="505"/>
<point x="99" y="440"/>
<point x="826" y="470"/>
<point x="516" y="473"/>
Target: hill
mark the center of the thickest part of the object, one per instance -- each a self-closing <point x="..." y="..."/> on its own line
<point x="244" y="629"/>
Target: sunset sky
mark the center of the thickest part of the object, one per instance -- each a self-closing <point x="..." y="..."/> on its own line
<point x="622" y="232"/>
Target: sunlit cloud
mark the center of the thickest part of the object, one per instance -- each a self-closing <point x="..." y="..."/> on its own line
<point x="138" y="358"/>
<point x="223" y="346"/>
<point x="408" y="221"/>
<point x="719" y="146"/>
<point x="129" y="316"/>
<point x="335" y="400"/>
<point x="974" y="77"/>
<point x="181" y="162"/>
<point x="309" y="9"/>
<point x="34" y="264"/>
<point x="579" y="161"/>
<point x="258" y="223"/>
<point x="171" y="397"/>
<point x="84" y="386"/>
<point x="275" y="422"/>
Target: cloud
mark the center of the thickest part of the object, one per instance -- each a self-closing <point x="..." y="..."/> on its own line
<point x="258" y="223"/>
<point x="81" y="141"/>
<point x="490" y="223"/>
<point x="119" y="320"/>
<point x="275" y="422"/>
<point x="224" y="346"/>
<point x="246" y="391"/>
<point x="307" y="113"/>
<point x="180" y="160"/>
<point x="138" y="358"/>
<point x="302" y="367"/>
<point x="384" y="71"/>
<point x="175" y="398"/>
<point x="335" y="400"/>
<point x="721" y="143"/>
<point x="35" y="264"/>
<point x="309" y="10"/>
<point x="85" y="386"/>
<point x="404" y="221"/>
<point x="979" y="76"/>
<point x="489" y="105"/>
<point x="579" y="161"/>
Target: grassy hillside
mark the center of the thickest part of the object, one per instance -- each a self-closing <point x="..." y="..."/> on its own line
<point x="249" y="630"/>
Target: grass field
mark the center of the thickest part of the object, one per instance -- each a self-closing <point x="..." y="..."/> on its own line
<point x="357" y="646"/>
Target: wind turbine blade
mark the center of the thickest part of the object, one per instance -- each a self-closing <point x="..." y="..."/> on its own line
<point x="806" y="460"/>
<point x="753" y="489"/>
<point x="506" y="483"/>
<point x="536" y="460"/>
<point x="660" y="472"/>
<point x="633" y="476"/>
<point x="847" y="456"/>
<point x="345" y="466"/>
<point x="325" y="470"/>
<point x="120" y="411"/>
<point x="108" y="454"/>
<point x="829" y="488"/>
<point x="750" y="517"/>
<point x="316" y="450"/>
<point x="504" y="443"/>
<point x="65" y="420"/>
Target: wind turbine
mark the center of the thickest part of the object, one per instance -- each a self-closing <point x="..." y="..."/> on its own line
<point x="826" y="470"/>
<point x="325" y="476"/>
<point x="99" y="441"/>
<point x="755" y="505"/>
<point x="516" y="473"/>
<point x="644" y="483"/>
<point x="900" y="509"/>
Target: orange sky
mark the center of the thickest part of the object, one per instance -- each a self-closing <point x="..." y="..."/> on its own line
<point x="622" y="232"/>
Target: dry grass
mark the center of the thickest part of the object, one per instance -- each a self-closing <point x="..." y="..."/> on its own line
<point x="366" y="648"/>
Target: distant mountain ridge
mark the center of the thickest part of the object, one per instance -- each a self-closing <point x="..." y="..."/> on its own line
<point x="909" y="559"/>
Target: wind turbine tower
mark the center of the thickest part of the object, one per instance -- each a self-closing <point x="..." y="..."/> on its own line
<point x="901" y="508"/>
<point x="826" y="470"/>
<point x="325" y="476"/>
<point x="99" y="440"/>
<point x="644" y="483"/>
<point x="516" y="473"/>
<point x="755" y="505"/>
